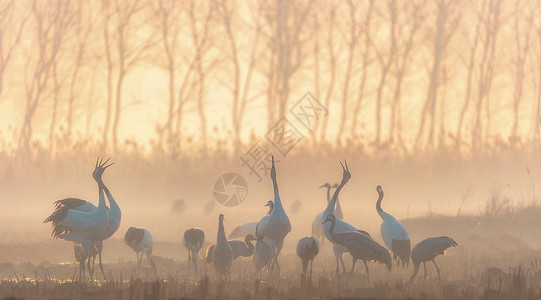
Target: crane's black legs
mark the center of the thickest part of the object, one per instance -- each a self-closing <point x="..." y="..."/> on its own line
<point x="353" y="265"/>
<point x="424" y="264"/>
<point x="367" y="272"/>
<point x="439" y="277"/>
<point x="101" y="267"/>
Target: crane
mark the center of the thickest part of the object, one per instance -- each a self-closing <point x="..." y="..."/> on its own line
<point x="82" y="227"/>
<point x="141" y="241"/>
<point x="427" y="250"/>
<point x="275" y="226"/>
<point x="307" y="250"/>
<point x="222" y="255"/>
<point x="395" y="236"/>
<point x="360" y="246"/>
<point x="193" y="239"/>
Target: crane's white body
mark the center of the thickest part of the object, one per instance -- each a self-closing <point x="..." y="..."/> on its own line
<point x="141" y="240"/>
<point x="85" y="226"/>
<point x="394" y="234"/>
<point x="244" y="229"/>
<point x="392" y="229"/>
<point x="146" y="244"/>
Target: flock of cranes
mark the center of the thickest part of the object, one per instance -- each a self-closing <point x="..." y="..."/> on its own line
<point x="87" y="226"/>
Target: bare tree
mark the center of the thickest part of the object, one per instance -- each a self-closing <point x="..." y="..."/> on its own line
<point x="331" y="62"/>
<point x="122" y="38"/>
<point x="473" y="48"/>
<point x="446" y="24"/>
<point x="51" y="20"/>
<point x="83" y="26"/>
<point x="413" y="18"/>
<point x="522" y="24"/>
<point x="536" y="70"/>
<point x="9" y="38"/>
<point x="486" y="70"/>
<point x="286" y="30"/>
<point x="240" y="89"/>
<point x="366" y="62"/>
<point x="351" y="37"/>
<point x="386" y="60"/>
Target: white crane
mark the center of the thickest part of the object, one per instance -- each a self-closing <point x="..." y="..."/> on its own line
<point x="307" y="250"/>
<point x="248" y="228"/>
<point x="240" y="248"/>
<point x="427" y="250"/>
<point x="141" y="240"/>
<point x="114" y="217"/>
<point x="360" y="246"/>
<point x="275" y="226"/>
<point x="193" y="240"/>
<point x="394" y="234"/>
<point x="82" y="227"/>
<point x="222" y="255"/>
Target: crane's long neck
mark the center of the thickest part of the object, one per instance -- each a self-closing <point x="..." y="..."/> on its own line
<point x="220" y="238"/>
<point x="332" y="204"/>
<point x="378" y="204"/>
<point x="339" y="214"/>
<point x="114" y="209"/>
<point x="277" y="202"/>
<point x="101" y="204"/>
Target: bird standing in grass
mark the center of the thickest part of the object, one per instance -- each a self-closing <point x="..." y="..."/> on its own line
<point x="307" y="250"/>
<point x="141" y="241"/>
<point x="427" y="250"/>
<point x="341" y="226"/>
<point x="360" y="246"/>
<point x="193" y="240"/>
<point x="275" y="226"/>
<point x="82" y="222"/>
<point x="395" y="236"/>
<point x="222" y="255"/>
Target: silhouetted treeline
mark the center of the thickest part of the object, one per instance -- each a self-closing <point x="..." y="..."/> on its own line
<point x="404" y="75"/>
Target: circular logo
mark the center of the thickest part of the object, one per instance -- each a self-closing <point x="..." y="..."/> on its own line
<point x="230" y="189"/>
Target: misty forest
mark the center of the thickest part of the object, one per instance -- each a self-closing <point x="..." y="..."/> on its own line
<point x="270" y="149"/>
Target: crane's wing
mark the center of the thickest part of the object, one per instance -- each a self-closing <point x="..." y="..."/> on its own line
<point x="432" y="247"/>
<point x="362" y="246"/>
<point x="261" y="226"/>
<point x="80" y="220"/>
<point x="75" y="204"/>
<point x="237" y="247"/>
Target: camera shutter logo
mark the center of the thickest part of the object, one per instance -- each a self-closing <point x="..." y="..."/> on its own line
<point x="230" y="189"/>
